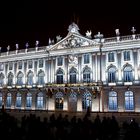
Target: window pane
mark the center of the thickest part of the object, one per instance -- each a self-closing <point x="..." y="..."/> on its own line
<point x="86" y="58"/>
<point x="111" y="57"/>
<point x="59" y="61"/>
<point x="112" y="101"/>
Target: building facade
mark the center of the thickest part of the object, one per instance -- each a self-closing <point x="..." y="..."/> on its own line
<point x="73" y="74"/>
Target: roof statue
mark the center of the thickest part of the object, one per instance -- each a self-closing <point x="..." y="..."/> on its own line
<point x="73" y="28"/>
<point x="117" y="32"/>
<point x="36" y="43"/>
<point x="8" y="47"/>
<point x="17" y="46"/>
<point x="133" y="30"/>
<point x="88" y="34"/>
<point x="27" y="45"/>
<point x="58" y="38"/>
<point x="49" y="41"/>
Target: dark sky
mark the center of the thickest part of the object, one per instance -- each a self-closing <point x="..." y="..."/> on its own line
<point x="27" y="21"/>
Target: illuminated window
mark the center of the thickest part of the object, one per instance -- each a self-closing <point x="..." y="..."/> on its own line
<point x="1" y="67"/>
<point x="20" y="65"/>
<point x="1" y="79"/>
<point x="129" y="100"/>
<point x="111" y="75"/>
<point x="86" y="75"/>
<point x="59" y="61"/>
<point x="41" y="78"/>
<point x="126" y="55"/>
<point x="18" y="100"/>
<point x="59" y="76"/>
<point x="59" y="100"/>
<point x="10" y="66"/>
<point x="0" y="100"/>
<point x="86" y="100"/>
<point x="9" y="100"/>
<point x="29" y="100"/>
<point x="128" y="74"/>
<point x="86" y="58"/>
<point x="30" y="64"/>
<point x="113" y="101"/>
<point x="111" y="57"/>
<point x="20" y="79"/>
<point x="40" y="63"/>
<point x="30" y="78"/>
<point x="10" y="79"/>
<point x="73" y="75"/>
<point x="40" y="100"/>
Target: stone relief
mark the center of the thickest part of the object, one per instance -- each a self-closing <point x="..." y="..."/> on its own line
<point x="73" y="59"/>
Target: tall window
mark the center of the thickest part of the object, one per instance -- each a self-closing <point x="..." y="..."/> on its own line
<point x="1" y="79"/>
<point x="10" y="79"/>
<point x="126" y="55"/>
<point x="86" y="58"/>
<point x="18" y="100"/>
<point x="113" y="100"/>
<point x="111" y="75"/>
<point x="59" y="76"/>
<point x="86" y="75"/>
<point x="129" y="100"/>
<point x="86" y="100"/>
<point x="59" y="100"/>
<point x="73" y="101"/>
<point x="41" y="63"/>
<point x="0" y="100"/>
<point x="30" y="64"/>
<point x="30" y="78"/>
<point x="29" y="100"/>
<point x="10" y="66"/>
<point x="41" y="78"/>
<point x="59" y="61"/>
<point x="1" y="66"/>
<point x="128" y="74"/>
<point x="9" y="100"/>
<point x="20" y="79"/>
<point x="111" y="57"/>
<point x="73" y="75"/>
<point x="40" y="100"/>
<point x="20" y="65"/>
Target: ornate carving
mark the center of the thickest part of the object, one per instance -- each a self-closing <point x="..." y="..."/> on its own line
<point x="73" y="59"/>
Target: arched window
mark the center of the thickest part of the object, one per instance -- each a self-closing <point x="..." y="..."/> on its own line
<point x="60" y="76"/>
<point x="1" y="79"/>
<point x="128" y="74"/>
<point x="29" y="100"/>
<point x="113" y="100"/>
<point x="40" y="100"/>
<point x="18" y="100"/>
<point x="41" y="78"/>
<point x="73" y="75"/>
<point x="0" y="100"/>
<point x="10" y="79"/>
<point x="59" y="100"/>
<point x="30" y="78"/>
<point x="111" y="75"/>
<point x="86" y="100"/>
<point x="9" y="100"/>
<point x="73" y="101"/>
<point x="86" y="75"/>
<point x="20" y="79"/>
<point x="129" y="100"/>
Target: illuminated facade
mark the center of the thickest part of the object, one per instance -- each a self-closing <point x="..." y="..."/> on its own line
<point x="73" y="74"/>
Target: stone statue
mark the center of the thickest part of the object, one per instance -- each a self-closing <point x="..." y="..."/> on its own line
<point x="36" y="43"/>
<point x="8" y="48"/>
<point x="133" y="30"/>
<point x="73" y="59"/>
<point x="117" y="32"/>
<point x="27" y="45"/>
<point x="88" y="34"/>
<point x="58" y="38"/>
<point x="17" y="47"/>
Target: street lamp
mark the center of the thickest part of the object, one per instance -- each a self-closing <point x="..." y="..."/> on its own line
<point x="100" y="40"/>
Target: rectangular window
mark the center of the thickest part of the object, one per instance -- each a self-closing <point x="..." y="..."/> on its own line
<point x="20" y="65"/>
<point x="110" y="57"/>
<point x="1" y="67"/>
<point x="126" y="55"/>
<point x="40" y="63"/>
<point x="30" y="64"/>
<point x="59" y="61"/>
<point x="86" y="58"/>
<point x="10" y="66"/>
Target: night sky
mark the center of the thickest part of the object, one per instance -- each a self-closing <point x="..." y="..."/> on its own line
<point x="28" y="21"/>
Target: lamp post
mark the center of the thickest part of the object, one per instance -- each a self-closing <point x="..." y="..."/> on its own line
<point x="100" y="40"/>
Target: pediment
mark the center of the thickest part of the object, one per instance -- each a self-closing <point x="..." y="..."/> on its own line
<point x="72" y="40"/>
